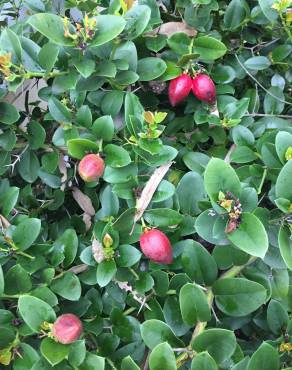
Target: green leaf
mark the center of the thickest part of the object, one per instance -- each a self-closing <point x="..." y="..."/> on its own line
<point x="283" y="142"/>
<point x="106" y="270"/>
<point x="59" y="111"/>
<point x="128" y="256"/>
<point x="8" y="200"/>
<point x="51" y="26"/>
<point x="120" y="175"/>
<point x="112" y="102"/>
<point x="85" y="67"/>
<point x="9" y="41"/>
<point x="103" y="127"/>
<point x="220" y="343"/>
<point x="26" y="233"/>
<point x="277" y="317"/>
<point x="283" y="188"/>
<point x="257" y="63"/>
<point x="92" y="362"/>
<point x="129" y="364"/>
<point x="281" y="52"/>
<point x="269" y="12"/>
<point x="77" y="353"/>
<point x="285" y="245"/>
<point x="154" y="332"/>
<point x="220" y="176"/>
<point x="265" y="357"/>
<point x="150" y="68"/>
<point x="108" y="27"/>
<point x="116" y="156"/>
<point x="193" y="304"/>
<point x="162" y="357"/>
<point x="179" y="42"/>
<point x="84" y="116"/>
<point x="78" y="148"/>
<point x="191" y="186"/>
<point x="29" y="357"/>
<point x="8" y="113"/>
<point x="161" y="217"/>
<point x="209" y="48"/>
<point x="67" y="286"/>
<point x="203" y="361"/>
<point x="48" y="56"/>
<point x="37" y="135"/>
<point x="250" y="236"/>
<point x="238" y="297"/>
<point x="274" y="102"/>
<point x="17" y="280"/>
<point x="198" y="263"/>
<point x="137" y="20"/>
<point x="34" y="312"/>
<point x="235" y="14"/>
<point x="54" y="352"/>
<point x="28" y="166"/>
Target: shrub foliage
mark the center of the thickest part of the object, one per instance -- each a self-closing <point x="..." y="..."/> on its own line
<point x="215" y="179"/>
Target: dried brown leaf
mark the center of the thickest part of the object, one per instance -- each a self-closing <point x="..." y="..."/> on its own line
<point x="149" y="190"/>
<point x="170" y="28"/>
<point x="97" y="251"/>
<point x="83" y="201"/>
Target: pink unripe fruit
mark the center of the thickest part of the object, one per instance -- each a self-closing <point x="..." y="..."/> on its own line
<point x="91" y="167"/>
<point x="204" y="89"/>
<point x="156" y="246"/>
<point x="67" y="329"/>
<point x="179" y="89"/>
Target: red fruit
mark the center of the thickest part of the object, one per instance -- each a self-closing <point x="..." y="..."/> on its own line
<point x="179" y="89"/>
<point x="156" y="246"/>
<point x="204" y="88"/>
<point x="67" y="328"/>
<point x="91" y="167"/>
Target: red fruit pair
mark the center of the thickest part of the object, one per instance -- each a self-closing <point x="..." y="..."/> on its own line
<point x="67" y="329"/>
<point x="156" y="246"/>
<point x="202" y="86"/>
<point x="91" y="167"/>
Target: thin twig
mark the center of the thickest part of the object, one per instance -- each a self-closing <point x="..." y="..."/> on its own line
<point x="257" y="82"/>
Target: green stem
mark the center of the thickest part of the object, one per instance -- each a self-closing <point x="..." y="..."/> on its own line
<point x="112" y="365"/>
<point x="3" y="296"/>
<point x="24" y="254"/>
<point x="28" y="75"/>
<point x="129" y="311"/>
<point x="134" y="273"/>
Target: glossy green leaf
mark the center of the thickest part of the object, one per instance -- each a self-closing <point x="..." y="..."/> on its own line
<point x="237" y="296"/>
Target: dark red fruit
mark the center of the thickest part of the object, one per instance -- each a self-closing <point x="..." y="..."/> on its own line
<point x="156" y="246"/>
<point x="67" y="329"/>
<point x="204" y="89"/>
<point x="179" y="89"/>
<point x="91" y="167"/>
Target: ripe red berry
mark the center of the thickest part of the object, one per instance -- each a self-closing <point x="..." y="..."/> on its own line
<point x="156" y="246"/>
<point x="179" y="89"/>
<point x="67" y="329"/>
<point x="204" y="89"/>
<point x="91" y="167"/>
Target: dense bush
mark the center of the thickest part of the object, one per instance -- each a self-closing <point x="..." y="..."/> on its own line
<point x="211" y="179"/>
